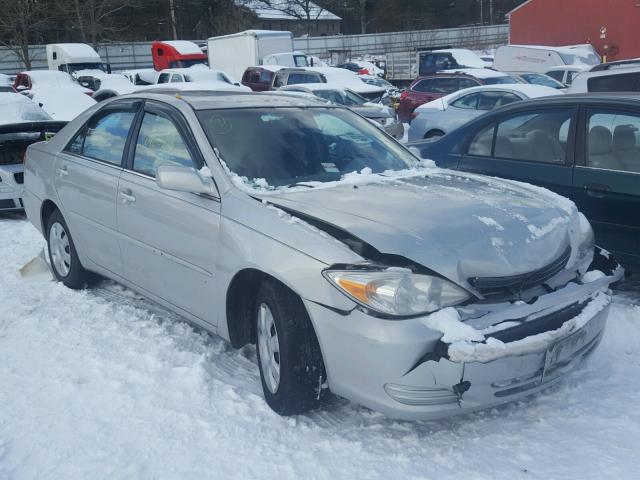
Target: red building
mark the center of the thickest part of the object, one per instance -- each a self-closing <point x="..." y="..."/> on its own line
<point x="612" y="26"/>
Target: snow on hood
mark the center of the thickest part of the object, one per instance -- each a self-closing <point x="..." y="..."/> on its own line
<point x="16" y="108"/>
<point x="457" y="224"/>
<point x="63" y="103"/>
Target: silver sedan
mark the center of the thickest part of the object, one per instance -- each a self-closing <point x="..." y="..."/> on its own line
<point x="355" y="267"/>
<point x="445" y="114"/>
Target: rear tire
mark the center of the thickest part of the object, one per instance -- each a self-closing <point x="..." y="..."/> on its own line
<point x="291" y="368"/>
<point x="63" y="257"/>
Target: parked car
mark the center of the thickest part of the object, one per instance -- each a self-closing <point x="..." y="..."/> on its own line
<point x="384" y="116"/>
<point x="22" y="123"/>
<point x="105" y="85"/>
<point x="432" y="61"/>
<point x="313" y="241"/>
<point x="336" y="76"/>
<point x="584" y="147"/>
<point x="260" y="79"/>
<point x="142" y="76"/>
<point x="426" y="89"/>
<point x="197" y="74"/>
<point x="534" y="78"/>
<point x="615" y="80"/>
<point x="5" y="79"/>
<point x="441" y="116"/>
<point x="30" y="81"/>
<point x="56" y="92"/>
<point x="567" y="73"/>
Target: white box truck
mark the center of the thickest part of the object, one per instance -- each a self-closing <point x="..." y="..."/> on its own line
<point x="234" y="53"/>
<point x="538" y="58"/>
<point x="71" y="57"/>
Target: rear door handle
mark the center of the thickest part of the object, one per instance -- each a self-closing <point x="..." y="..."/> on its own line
<point x="62" y="171"/>
<point x="127" y="196"/>
<point x="596" y="190"/>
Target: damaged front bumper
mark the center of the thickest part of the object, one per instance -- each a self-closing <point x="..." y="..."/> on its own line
<point x="404" y="370"/>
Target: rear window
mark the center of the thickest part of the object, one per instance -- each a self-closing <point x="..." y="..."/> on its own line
<point x="497" y="80"/>
<point x="625" y="82"/>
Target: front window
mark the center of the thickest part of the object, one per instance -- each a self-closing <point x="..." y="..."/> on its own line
<point x="544" y="80"/>
<point x="291" y="145"/>
<point x="346" y="97"/>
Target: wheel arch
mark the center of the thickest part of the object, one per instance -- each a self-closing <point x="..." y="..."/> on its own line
<point x="47" y="208"/>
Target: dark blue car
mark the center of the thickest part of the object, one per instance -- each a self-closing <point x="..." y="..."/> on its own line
<point x="585" y="147"/>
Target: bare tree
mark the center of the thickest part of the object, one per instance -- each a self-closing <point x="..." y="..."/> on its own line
<point x="97" y="20"/>
<point x="22" y="23"/>
<point x="303" y="10"/>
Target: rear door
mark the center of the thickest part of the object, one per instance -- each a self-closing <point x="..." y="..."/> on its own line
<point x="534" y="146"/>
<point x="86" y="179"/>
<point x="606" y="184"/>
<point x="168" y="238"/>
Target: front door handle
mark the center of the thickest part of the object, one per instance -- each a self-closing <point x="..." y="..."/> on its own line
<point x="596" y="190"/>
<point x="62" y="171"/>
<point x="126" y="196"/>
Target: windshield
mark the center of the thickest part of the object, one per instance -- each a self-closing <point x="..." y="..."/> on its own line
<point x="538" y="79"/>
<point x="290" y="145"/>
<point x="74" y="67"/>
<point x="338" y="97"/>
<point x="187" y="63"/>
<point x="497" y="80"/>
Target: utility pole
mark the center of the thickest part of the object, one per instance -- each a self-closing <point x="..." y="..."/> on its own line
<point x="172" y="10"/>
<point x="481" y="12"/>
<point x="490" y="12"/>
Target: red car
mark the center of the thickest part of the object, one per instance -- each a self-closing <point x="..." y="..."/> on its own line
<point x="427" y="88"/>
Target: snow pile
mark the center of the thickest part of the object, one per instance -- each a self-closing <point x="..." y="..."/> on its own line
<point x="102" y="384"/>
<point x="490" y="222"/>
<point x="447" y="321"/>
<point x="539" y="232"/>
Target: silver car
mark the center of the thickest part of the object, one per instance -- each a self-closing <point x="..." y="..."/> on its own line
<point x="445" y="114"/>
<point x="383" y="115"/>
<point x="302" y="228"/>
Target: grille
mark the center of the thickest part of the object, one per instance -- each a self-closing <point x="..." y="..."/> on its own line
<point x="19" y="177"/>
<point x="493" y="286"/>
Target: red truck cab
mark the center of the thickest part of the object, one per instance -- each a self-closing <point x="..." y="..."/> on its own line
<point x="176" y="54"/>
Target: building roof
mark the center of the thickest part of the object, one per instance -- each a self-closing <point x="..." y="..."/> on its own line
<point x="519" y="7"/>
<point x="286" y="10"/>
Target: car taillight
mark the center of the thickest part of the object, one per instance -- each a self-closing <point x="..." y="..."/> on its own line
<point x="90" y="93"/>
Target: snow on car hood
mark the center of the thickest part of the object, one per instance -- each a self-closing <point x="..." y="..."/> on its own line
<point x="459" y="225"/>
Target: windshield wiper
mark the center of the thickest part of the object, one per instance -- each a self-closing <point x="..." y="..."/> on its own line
<point x="300" y="184"/>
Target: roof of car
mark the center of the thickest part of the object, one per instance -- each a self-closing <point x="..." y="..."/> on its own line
<point x="620" y="99"/>
<point x="479" y="73"/>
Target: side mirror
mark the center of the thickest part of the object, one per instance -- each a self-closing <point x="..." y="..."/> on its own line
<point x="184" y="179"/>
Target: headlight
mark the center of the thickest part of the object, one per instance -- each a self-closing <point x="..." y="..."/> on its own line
<point x="397" y="291"/>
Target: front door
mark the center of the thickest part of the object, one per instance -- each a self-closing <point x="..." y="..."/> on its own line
<point x="606" y="186"/>
<point x="86" y="179"/>
<point x="168" y="239"/>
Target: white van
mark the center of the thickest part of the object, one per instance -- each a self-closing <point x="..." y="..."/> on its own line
<point x="540" y="59"/>
<point x="615" y="80"/>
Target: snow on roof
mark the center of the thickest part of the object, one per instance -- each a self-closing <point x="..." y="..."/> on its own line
<point x="77" y="50"/>
<point x="284" y="10"/>
<point x="5" y="79"/>
<point x="50" y="77"/>
<point x="465" y="57"/>
<point x="184" y="47"/>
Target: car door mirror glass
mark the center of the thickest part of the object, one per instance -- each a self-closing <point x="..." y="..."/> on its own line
<point x="184" y="179"/>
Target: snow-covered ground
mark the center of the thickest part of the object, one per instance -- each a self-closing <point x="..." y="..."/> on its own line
<point x="102" y="384"/>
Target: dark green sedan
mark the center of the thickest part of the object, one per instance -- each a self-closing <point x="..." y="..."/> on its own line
<point x="585" y="147"/>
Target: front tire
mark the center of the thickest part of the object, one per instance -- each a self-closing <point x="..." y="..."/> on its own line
<point x="291" y="367"/>
<point x="63" y="257"/>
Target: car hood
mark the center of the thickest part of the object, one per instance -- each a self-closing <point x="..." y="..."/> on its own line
<point x="459" y="225"/>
